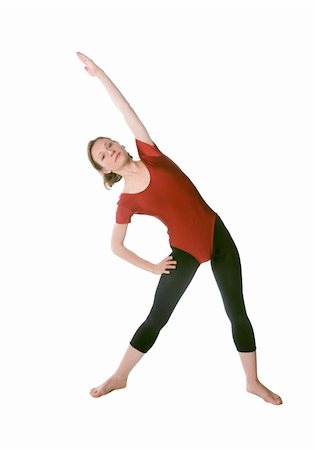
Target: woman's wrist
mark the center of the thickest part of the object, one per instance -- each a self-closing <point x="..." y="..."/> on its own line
<point x="99" y="72"/>
<point x="134" y="259"/>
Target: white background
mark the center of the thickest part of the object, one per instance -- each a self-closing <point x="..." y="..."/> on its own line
<point x="226" y="90"/>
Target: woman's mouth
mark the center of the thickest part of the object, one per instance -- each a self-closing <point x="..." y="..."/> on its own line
<point x="117" y="157"/>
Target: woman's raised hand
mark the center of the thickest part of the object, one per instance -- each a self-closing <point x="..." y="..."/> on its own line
<point x="165" y="265"/>
<point x="90" y="65"/>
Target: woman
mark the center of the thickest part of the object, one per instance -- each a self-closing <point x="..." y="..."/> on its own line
<point x="155" y="185"/>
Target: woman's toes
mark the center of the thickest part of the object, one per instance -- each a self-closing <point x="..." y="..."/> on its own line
<point x="110" y="385"/>
<point x="275" y="399"/>
<point x="272" y="398"/>
<point x="265" y="393"/>
<point x="96" y="394"/>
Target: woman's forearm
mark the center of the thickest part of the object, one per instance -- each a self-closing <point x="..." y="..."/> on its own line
<point x="134" y="259"/>
<point x="118" y="99"/>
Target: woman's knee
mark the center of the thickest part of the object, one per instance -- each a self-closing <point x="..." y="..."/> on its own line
<point x="155" y="323"/>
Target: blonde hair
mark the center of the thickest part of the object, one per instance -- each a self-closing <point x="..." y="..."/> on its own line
<point x="109" y="179"/>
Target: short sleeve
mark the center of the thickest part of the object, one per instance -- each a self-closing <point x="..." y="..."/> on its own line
<point x="123" y="214"/>
<point x="145" y="149"/>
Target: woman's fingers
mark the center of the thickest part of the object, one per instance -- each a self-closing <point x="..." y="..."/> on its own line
<point x="82" y="57"/>
<point x="165" y="265"/>
<point x="85" y="59"/>
<point x="171" y="260"/>
<point x="170" y="263"/>
<point x="90" y="66"/>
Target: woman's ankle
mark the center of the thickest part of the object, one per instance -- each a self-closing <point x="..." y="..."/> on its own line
<point x="121" y="375"/>
<point x="252" y="381"/>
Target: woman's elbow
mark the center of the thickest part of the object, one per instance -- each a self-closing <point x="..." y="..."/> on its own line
<point x="117" y="249"/>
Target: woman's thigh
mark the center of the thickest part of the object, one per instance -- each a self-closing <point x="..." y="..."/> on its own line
<point x="226" y="267"/>
<point x="172" y="286"/>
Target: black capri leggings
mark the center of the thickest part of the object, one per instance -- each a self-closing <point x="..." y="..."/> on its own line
<point x="226" y="267"/>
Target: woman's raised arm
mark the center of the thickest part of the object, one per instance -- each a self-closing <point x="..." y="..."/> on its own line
<point x="131" y="118"/>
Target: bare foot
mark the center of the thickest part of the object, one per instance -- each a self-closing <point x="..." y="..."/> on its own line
<point x="259" y="389"/>
<point x="114" y="382"/>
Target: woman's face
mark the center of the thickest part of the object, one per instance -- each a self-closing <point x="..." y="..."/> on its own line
<point x="109" y="154"/>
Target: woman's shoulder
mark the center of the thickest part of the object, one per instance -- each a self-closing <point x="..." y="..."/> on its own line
<point x="146" y="148"/>
<point x="152" y="155"/>
<point x="145" y="141"/>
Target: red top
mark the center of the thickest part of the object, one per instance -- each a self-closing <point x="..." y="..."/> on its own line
<point x="172" y="198"/>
